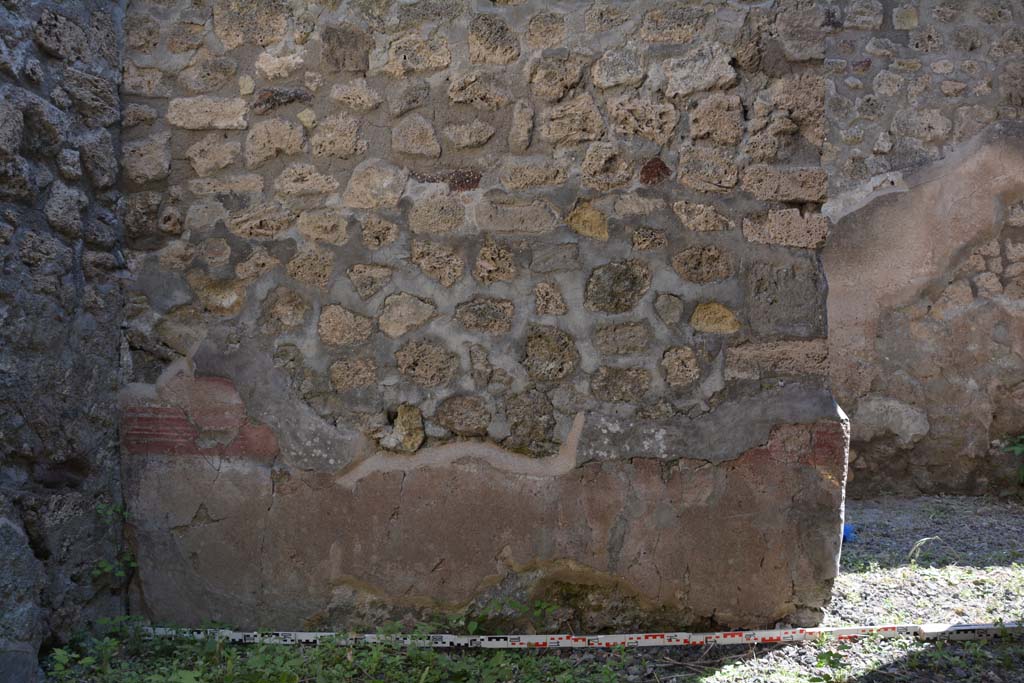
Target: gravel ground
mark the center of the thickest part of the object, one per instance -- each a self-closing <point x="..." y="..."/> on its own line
<point x="928" y="559"/>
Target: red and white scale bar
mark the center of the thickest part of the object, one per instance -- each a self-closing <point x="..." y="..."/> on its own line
<point x="629" y="640"/>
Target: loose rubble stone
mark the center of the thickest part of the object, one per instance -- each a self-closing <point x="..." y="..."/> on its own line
<point x="786" y="184"/>
<point x="701" y="217"/>
<point x="672" y="24"/>
<point x="703" y="265"/>
<point x="436" y="213"/>
<point x="622" y="338"/>
<point x="620" y="385"/>
<point x="375" y="184"/>
<point x="220" y="297"/>
<point x="504" y="214"/>
<point x="788" y="227"/>
<point x="312" y="268"/>
<point x="237" y="22"/>
<point x="337" y="136"/>
<point x="773" y="359"/>
<point x="557" y="257"/>
<point x="654" y="171"/>
<point x="260" y="261"/>
<point x="438" y="262"/>
<point x="680" y="366"/>
<point x="494" y="263"/>
<point x="617" y="287"/>
<point x="94" y="97"/>
<point x="467" y="135"/>
<point x="623" y="66"/>
<point x="346" y="47"/>
<point x="531" y="423"/>
<point x="645" y="118"/>
<point x="249" y="183"/>
<point x="207" y="73"/>
<point x="555" y="75"/>
<point x="353" y="373"/>
<point x="548" y="299"/>
<point x="64" y="207"/>
<point x="269" y="99"/>
<point x="521" y="126"/>
<point x="647" y="239"/>
<point x="403" y="313"/>
<point x="410" y="94"/>
<point x="550" y="353"/>
<point x="707" y="169"/>
<point x="412" y="54"/>
<point x="267" y="139"/>
<point x="523" y="173"/>
<point x="718" y="117"/>
<point x="414" y="135"/>
<point x="705" y="67"/>
<point x="369" y="278"/>
<point x="323" y="225"/>
<point x="378" y="233"/>
<point x="801" y="28"/>
<point x="407" y="434"/>
<point x="426" y="363"/>
<point x="605" y="166"/>
<point x="303" y="179"/>
<point x="356" y="95"/>
<point x="545" y="29"/>
<point x="865" y="15"/>
<point x="339" y="326"/>
<point x="481" y="91"/>
<point x="482" y="314"/>
<point x="96" y="153"/>
<point x="464" y="415"/>
<point x="212" y="153"/>
<point x="491" y="41"/>
<point x="260" y="221"/>
<point x="137" y="115"/>
<point x="60" y="36"/>
<point x="714" y="318"/>
<point x="199" y="113"/>
<point x="578" y="120"/>
<point x="283" y="309"/>
<point x="69" y="164"/>
<point x="585" y="220"/>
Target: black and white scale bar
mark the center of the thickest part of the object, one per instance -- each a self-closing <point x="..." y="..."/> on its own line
<point x="924" y="632"/>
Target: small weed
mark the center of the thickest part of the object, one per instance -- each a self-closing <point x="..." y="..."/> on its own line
<point x="117" y="570"/>
<point x="832" y="661"/>
<point x="1015" y="446"/>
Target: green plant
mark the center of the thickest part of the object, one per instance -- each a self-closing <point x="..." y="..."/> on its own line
<point x="111" y="512"/>
<point x="833" y="662"/>
<point x="118" y="569"/>
<point x="1015" y="446"/>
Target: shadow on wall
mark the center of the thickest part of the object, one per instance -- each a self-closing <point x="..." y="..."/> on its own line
<point x="926" y="322"/>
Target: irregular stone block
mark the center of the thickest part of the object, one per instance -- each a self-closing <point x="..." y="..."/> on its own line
<point x="403" y="313"/>
<point x="491" y="41"/>
<point x="199" y="113"/>
<point x="788" y="227"/>
<point x="375" y="184"/>
<point x="148" y="159"/>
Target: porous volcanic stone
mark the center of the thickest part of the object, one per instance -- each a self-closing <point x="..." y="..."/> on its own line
<point x="618" y="286"/>
<point x="550" y="353"/>
<point x="464" y="415"/>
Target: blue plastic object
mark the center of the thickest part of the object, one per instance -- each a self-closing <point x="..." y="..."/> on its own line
<point x="849" y="533"/>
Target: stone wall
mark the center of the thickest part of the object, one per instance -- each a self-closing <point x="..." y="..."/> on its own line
<point x="443" y="301"/>
<point x="61" y="305"/>
<point x="924" y="262"/>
